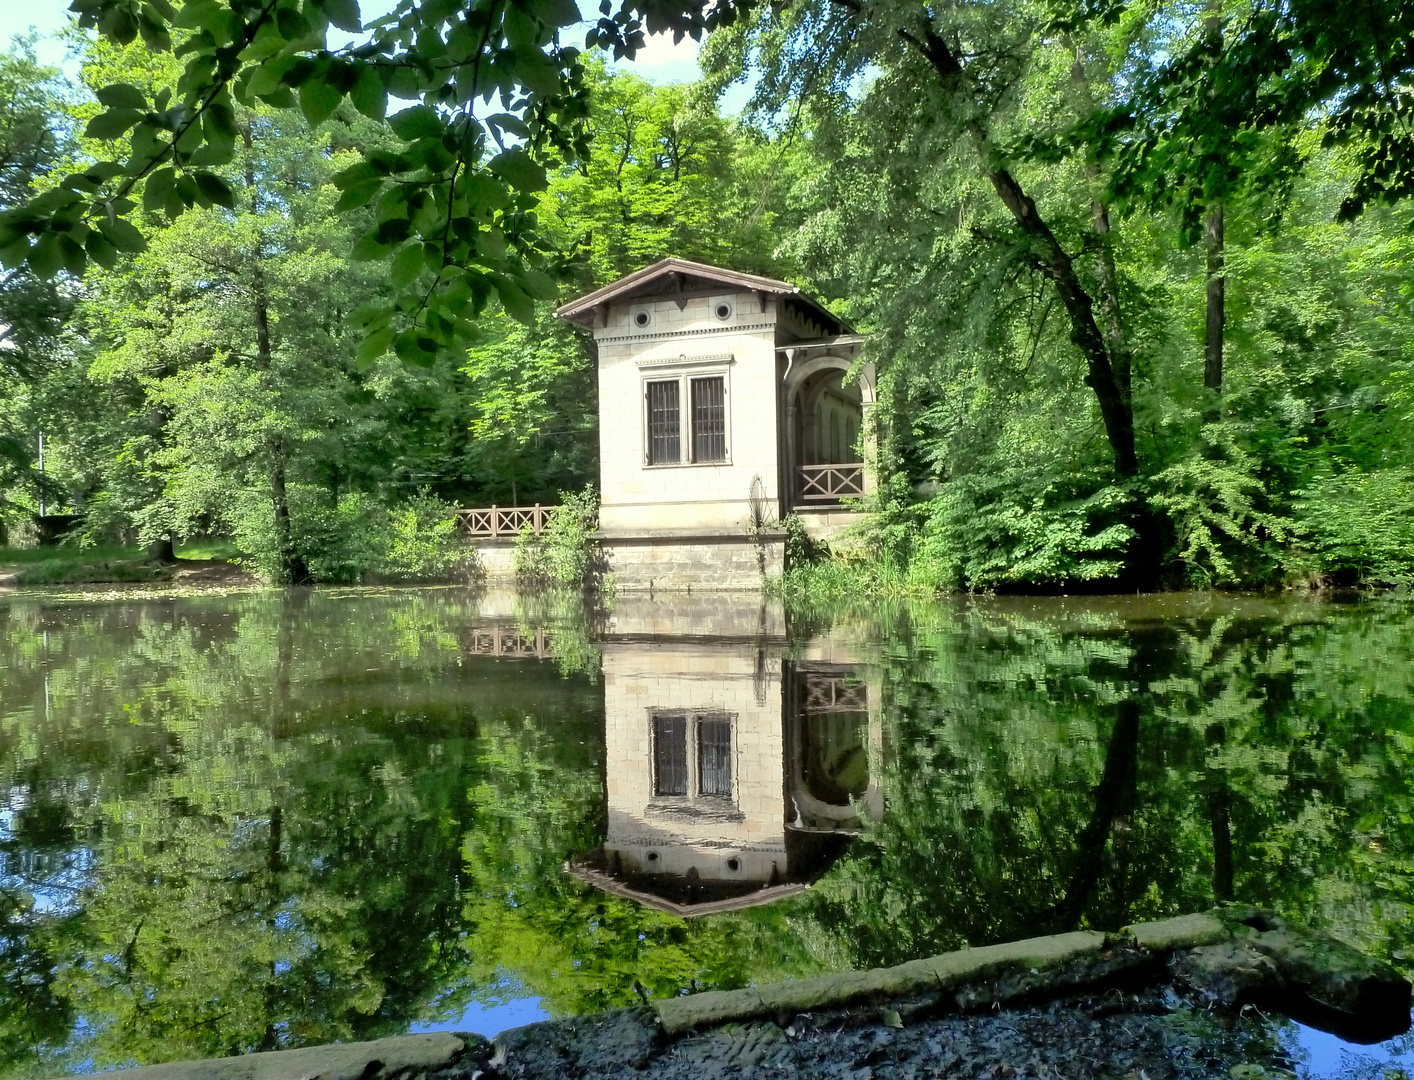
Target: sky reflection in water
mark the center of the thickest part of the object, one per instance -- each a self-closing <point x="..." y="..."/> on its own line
<point x="235" y="823"/>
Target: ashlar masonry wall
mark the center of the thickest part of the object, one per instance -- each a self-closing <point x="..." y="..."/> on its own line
<point x="738" y="839"/>
<point x="667" y="338"/>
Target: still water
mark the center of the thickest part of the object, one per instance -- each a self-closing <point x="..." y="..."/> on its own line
<point x="240" y="822"/>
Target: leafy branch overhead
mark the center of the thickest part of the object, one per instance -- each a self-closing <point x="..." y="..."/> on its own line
<point x="454" y="202"/>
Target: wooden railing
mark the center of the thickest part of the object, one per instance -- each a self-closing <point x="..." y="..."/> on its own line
<point x="503" y="520"/>
<point x="506" y="641"/>
<point x="830" y="483"/>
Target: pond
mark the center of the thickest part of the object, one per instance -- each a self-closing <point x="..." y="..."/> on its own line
<point x="269" y="819"/>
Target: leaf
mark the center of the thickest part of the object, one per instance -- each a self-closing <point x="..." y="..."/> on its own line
<point x="124" y="235"/>
<point x="358" y="195"/>
<point x="215" y="189"/>
<point x="418" y="122"/>
<point x="45" y="258"/>
<point x="517" y="169"/>
<point x="343" y="13"/>
<point x="74" y="256"/>
<point x="407" y="265"/>
<point x="196" y="14"/>
<point x="518" y="306"/>
<point x="891" y="1018"/>
<point x="373" y="346"/>
<point x="508" y="122"/>
<point x="267" y="77"/>
<point x="413" y="348"/>
<point x="369" y="96"/>
<point x="122" y="96"/>
<point x="291" y="24"/>
<point x="539" y="284"/>
<point x="156" y="189"/>
<point x="318" y="100"/>
<point x="536" y="71"/>
<point x="112" y="124"/>
<point x="369" y="249"/>
<point x="557" y="12"/>
<point x="101" y="250"/>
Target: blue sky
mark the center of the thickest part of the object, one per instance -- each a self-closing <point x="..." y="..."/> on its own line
<point x="661" y="62"/>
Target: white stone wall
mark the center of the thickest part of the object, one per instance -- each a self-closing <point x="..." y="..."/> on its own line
<point x="636" y="497"/>
<point x="642" y="677"/>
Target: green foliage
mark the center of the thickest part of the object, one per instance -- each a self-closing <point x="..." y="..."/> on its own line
<point x="454" y="195"/>
<point x="984" y="532"/>
<point x="1361" y="525"/>
<point x="564" y="552"/>
<point x="1218" y="510"/>
<point x="357" y="540"/>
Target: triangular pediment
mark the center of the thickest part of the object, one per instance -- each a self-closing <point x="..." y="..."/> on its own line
<point x="680" y="277"/>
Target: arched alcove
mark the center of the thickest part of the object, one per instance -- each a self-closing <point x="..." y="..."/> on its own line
<point x="824" y="429"/>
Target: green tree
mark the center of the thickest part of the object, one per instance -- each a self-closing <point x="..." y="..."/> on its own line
<point x="34" y="138"/>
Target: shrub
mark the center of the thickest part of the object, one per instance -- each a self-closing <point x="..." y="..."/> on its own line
<point x="981" y="532"/>
<point x="565" y="553"/>
<point x="1225" y="529"/>
<point x="1361" y="525"/>
<point x="352" y="541"/>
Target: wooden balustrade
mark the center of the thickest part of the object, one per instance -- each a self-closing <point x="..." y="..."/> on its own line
<point x="496" y="521"/>
<point x="830" y="483"/>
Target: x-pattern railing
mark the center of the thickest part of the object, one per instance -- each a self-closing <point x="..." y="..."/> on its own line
<point x="830" y="693"/>
<point x="821" y="483"/>
<point x="503" y="520"/>
<point x="506" y="642"/>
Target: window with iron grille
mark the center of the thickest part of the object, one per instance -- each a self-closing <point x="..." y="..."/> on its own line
<point x="714" y="756"/>
<point x="709" y="419"/>
<point x="670" y="754"/>
<point x="664" y="424"/>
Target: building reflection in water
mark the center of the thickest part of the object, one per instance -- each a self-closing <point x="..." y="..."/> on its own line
<point x="734" y="776"/>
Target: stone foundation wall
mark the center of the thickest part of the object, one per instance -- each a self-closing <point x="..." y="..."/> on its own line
<point x="495" y="560"/>
<point x="693" y="561"/>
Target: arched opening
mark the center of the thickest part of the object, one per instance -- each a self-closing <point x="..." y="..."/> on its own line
<point x="824" y="429"/>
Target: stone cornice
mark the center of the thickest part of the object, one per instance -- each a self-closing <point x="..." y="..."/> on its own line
<point x="668" y="335"/>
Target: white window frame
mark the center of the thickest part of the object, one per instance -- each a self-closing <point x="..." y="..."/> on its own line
<point x="682" y="370"/>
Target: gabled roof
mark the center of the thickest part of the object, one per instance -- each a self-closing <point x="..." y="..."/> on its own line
<point x="670" y="276"/>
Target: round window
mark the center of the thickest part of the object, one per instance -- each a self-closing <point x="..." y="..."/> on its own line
<point x="641" y="318"/>
<point x="733" y="864"/>
<point x="722" y="309"/>
<point x="652" y="856"/>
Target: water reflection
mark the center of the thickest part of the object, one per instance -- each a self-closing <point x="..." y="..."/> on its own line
<point x="734" y="775"/>
<point x="235" y="823"/>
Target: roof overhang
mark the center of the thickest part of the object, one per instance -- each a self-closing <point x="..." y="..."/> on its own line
<point x="679" y="277"/>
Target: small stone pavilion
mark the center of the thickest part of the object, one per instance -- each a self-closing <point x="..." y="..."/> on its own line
<point x="725" y="403"/>
<point x="733" y="776"/>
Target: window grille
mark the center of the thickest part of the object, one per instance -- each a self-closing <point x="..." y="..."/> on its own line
<point x="709" y="419"/>
<point x="670" y="754"/>
<point x="714" y="757"/>
<point x="664" y="424"/>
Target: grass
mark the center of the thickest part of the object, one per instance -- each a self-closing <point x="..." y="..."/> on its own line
<point x="66" y="564"/>
<point x="210" y="548"/>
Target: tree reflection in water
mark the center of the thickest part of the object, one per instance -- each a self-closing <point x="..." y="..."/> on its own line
<point x="274" y="819"/>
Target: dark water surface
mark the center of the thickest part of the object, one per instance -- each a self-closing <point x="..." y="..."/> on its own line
<point x="242" y="822"/>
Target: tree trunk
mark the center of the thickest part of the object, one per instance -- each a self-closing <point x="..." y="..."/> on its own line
<point x="1217" y="307"/>
<point x="1219" y="821"/>
<point x="292" y="568"/>
<point x="162" y="551"/>
<point x="1114" y="802"/>
<point x="1213" y="238"/>
<point x="1056" y="264"/>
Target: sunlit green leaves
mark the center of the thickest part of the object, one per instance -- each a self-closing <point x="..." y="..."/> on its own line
<point x="469" y="214"/>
